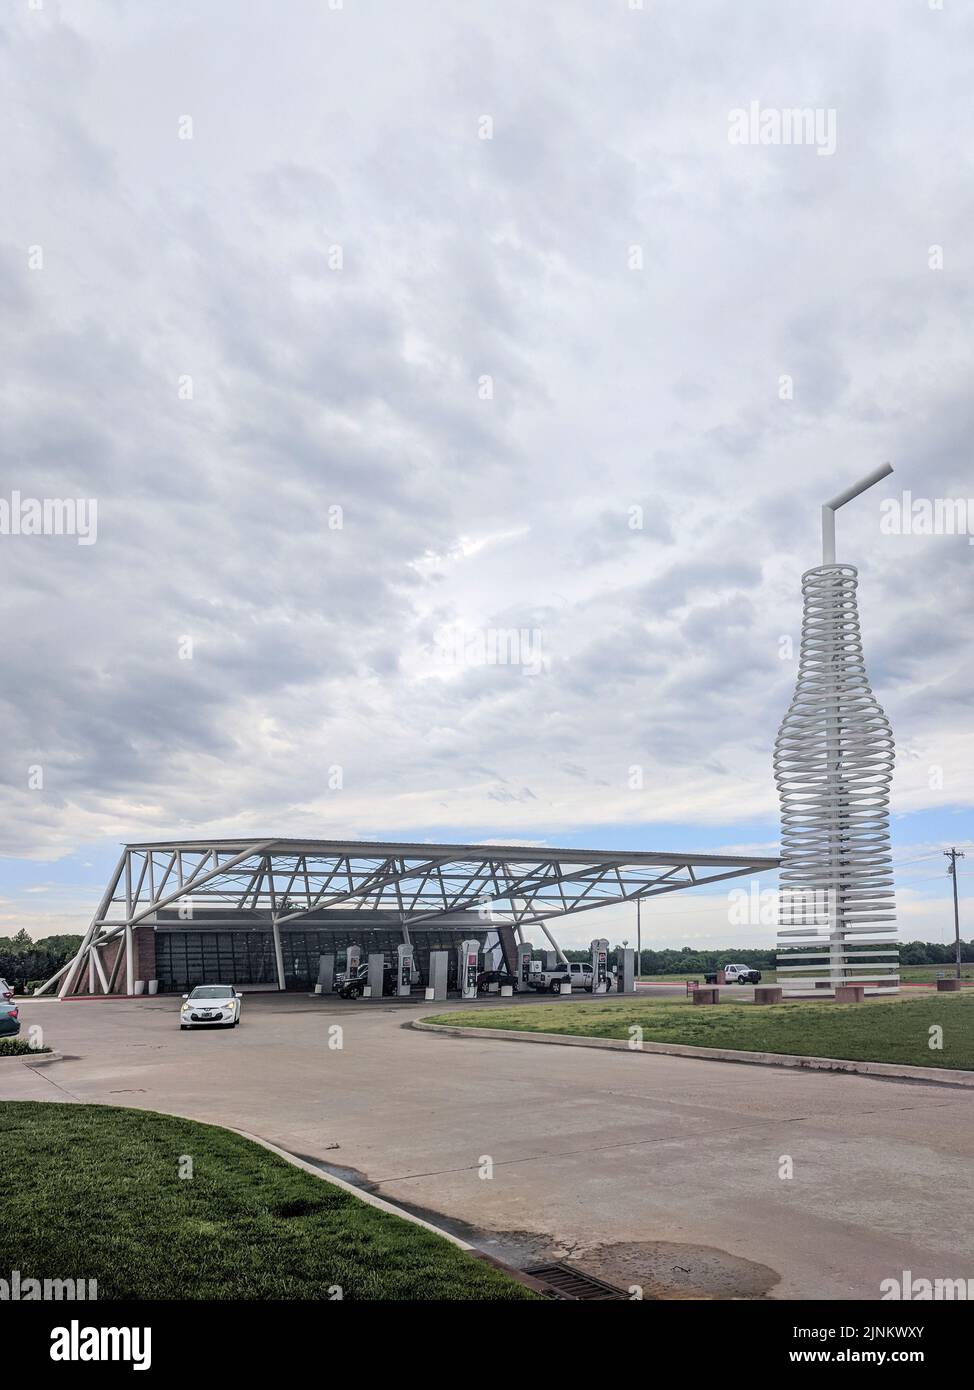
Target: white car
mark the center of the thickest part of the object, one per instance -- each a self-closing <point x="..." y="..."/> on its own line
<point x="6" y="992"/>
<point x="210" y="1005"/>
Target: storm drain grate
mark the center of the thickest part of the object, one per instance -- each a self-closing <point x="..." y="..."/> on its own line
<point x="566" y="1282"/>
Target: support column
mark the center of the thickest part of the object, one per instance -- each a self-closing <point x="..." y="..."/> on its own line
<point x="376" y="979"/>
<point x="326" y="973"/>
<point x="557" y="949"/>
<point x="129" y="949"/>
<point x="439" y="973"/>
<point x="71" y="973"/>
<point x="99" y="969"/>
<point x="278" y="954"/>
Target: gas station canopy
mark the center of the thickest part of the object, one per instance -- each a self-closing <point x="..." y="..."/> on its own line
<point x="288" y="881"/>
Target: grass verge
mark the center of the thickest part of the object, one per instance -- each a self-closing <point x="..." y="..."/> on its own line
<point x="909" y="974"/>
<point x="880" y="1030"/>
<point x="94" y="1192"/>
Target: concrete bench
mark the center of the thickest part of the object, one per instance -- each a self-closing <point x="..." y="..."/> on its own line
<point x="948" y="986"/>
<point x="767" y="994"/>
<point x="850" y="994"/>
<point x="706" y="994"/>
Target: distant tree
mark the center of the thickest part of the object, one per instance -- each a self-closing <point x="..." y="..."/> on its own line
<point x="20" y="962"/>
<point x="66" y="945"/>
<point x="913" y="953"/>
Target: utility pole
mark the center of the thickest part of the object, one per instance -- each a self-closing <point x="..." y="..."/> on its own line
<point x="953" y="855"/>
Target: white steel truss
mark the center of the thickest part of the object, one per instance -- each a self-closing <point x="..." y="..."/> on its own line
<point x="286" y="881"/>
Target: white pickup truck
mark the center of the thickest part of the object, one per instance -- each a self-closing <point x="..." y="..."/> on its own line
<point x="579" y="973"/>
<point x="741" y="975"/>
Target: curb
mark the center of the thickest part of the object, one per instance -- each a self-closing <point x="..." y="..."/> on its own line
<point x="34" y="1059"/>
<point x="361" y="1193"/>
<point x="381" y="1204"/>
<point x="937" y="1076"/>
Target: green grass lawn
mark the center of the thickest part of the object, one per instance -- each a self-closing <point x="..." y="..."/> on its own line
<point x="682" y="976"/>
<point x="929" y="974"/>
<point x="909" y="974"/>
<point x="880" y="1030"/>
<point x="94" y="1192"/>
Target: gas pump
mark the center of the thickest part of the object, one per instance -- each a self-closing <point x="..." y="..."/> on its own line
<point x="523" y="967"/>
<point x="600" y="965"/>
<point x="467" y="974"/>
<point x="404" y="974"/>
<point x="353" y="958"/>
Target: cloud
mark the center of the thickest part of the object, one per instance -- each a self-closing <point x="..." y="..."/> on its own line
<point x="309" y="466"/>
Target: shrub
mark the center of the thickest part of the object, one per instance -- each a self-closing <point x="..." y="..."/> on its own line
<point x="18" y="1047"/>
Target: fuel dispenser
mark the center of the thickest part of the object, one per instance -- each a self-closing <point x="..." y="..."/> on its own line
<point x="404" y="972"/>
<point x="600" y="965"/>
<point x="467" y="974"/>
<point x="353" y="959"/>
<point x="523" y="967"/>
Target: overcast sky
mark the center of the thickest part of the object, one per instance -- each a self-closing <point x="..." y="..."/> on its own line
<point x="379" y="332"/>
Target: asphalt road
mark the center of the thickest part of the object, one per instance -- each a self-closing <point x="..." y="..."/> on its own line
<point x="662" y="1172"/>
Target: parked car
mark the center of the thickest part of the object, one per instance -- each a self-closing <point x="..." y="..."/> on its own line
<point x="9" y="1020"/>
<point x="737" y="975"/>
<point x="353" y="986"/>
<point x="487" y="979"/>
<point x="578" y="973"/>
<point x="6" y="992"/>
<point x="210" y="1006"/>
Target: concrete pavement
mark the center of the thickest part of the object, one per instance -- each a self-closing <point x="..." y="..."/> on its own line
<point x="660" y="1171"/>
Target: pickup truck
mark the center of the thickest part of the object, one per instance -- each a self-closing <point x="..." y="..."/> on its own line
<point x="351" y="986"/>
<point x="579" y="973"/>
<point x="739" y="975"/>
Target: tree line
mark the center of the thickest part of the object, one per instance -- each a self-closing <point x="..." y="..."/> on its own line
<point x="688" y="960"/>
<point x="24" y="962"/>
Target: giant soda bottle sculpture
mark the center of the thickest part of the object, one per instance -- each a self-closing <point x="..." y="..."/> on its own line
<point x="833" y="763"/>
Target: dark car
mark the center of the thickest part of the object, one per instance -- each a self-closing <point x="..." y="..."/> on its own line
<point x="9" y="1020"/>
<point x="488" y="978"/>
<point x="353" y="987"/>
